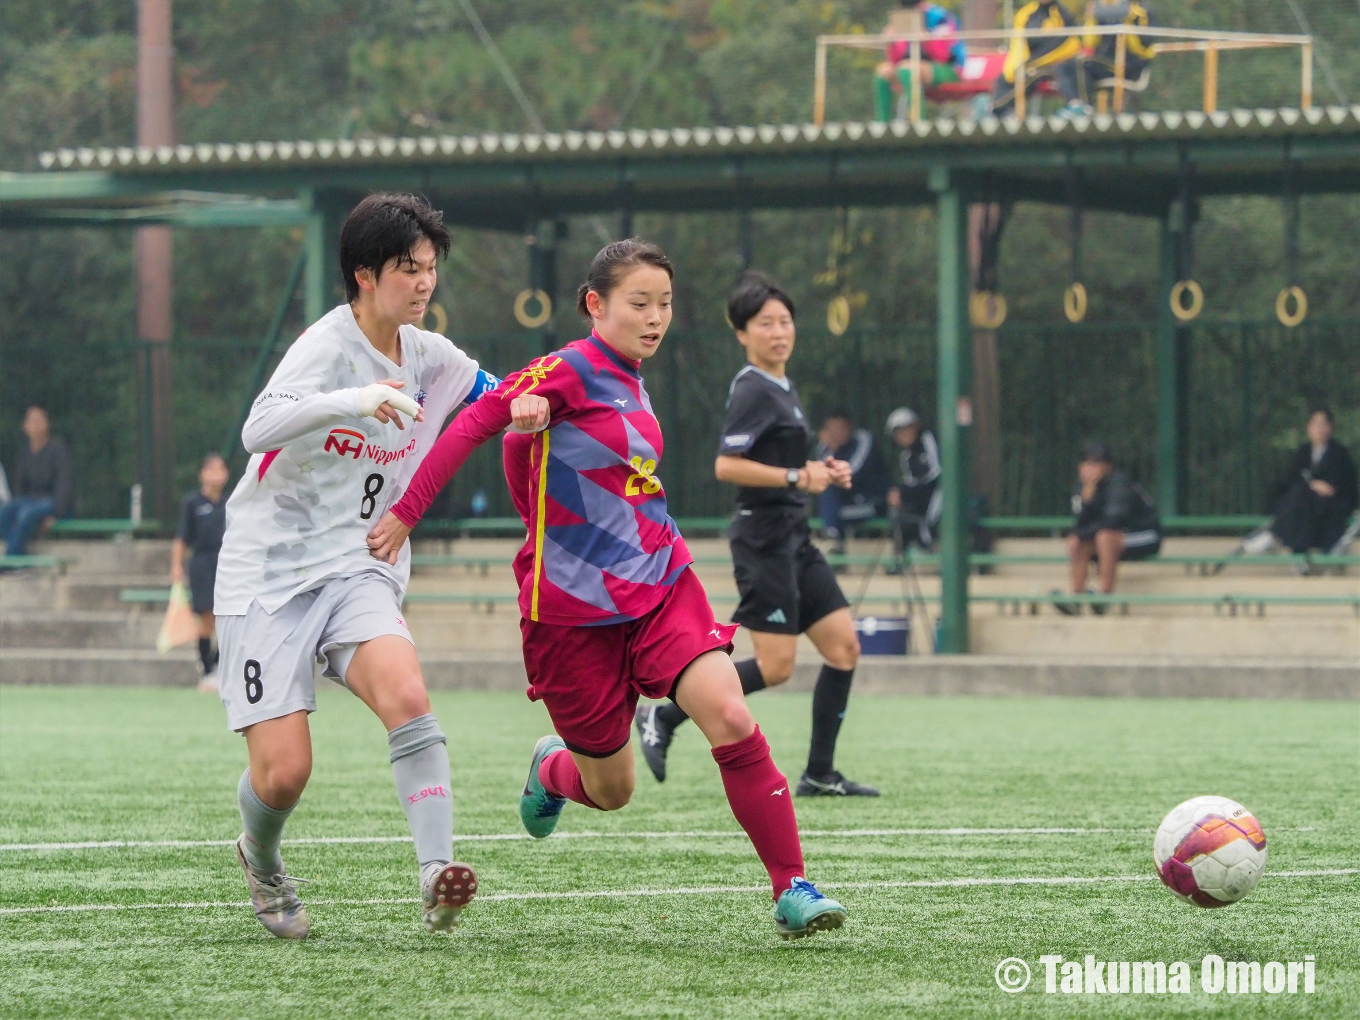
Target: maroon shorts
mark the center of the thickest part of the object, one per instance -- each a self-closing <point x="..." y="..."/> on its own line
<point x="590" y="678"/>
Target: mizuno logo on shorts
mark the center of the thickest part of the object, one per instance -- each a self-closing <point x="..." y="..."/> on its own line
<point x="777" y="617"/>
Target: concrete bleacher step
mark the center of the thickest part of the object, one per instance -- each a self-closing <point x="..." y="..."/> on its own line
<point x="984" y="675"/>
<point x="104" y="556"/>
<point x="79" y="629"/>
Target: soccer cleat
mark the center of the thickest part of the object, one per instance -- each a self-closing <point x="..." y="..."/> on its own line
<point x="654" y="736"/>
<point x="802" y="911"/>
<point x="275" y="900"/>
<point x="445" y="889"/>
<point x="539" y="809"/>
<point x="832" y="784"/>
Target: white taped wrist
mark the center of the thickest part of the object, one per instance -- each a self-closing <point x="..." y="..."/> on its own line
<point x="378" y="393"/>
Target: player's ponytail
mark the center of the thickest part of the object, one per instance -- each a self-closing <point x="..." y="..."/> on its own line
<point x="613" y="261"/>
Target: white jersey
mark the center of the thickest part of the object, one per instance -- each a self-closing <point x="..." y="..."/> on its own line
<point x="321" y="475"/>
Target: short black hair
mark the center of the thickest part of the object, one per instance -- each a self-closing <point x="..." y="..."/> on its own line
<point x="1325" y="411"/>
<point x="752" y="291"/>
<point x="209" y="457"/>
<point x="384" y="227"/>
<point x="838" y="413"/>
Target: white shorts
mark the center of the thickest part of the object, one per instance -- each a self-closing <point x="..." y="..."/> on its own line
<point x="268" y="660"/>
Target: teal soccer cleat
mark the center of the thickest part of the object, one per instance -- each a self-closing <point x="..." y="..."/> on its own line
<point x="803" y="911"/>
<point x="538" y="809"/>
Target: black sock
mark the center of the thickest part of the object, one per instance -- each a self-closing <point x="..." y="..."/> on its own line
<point x="205" y="654"/>
<point x="751" y="678"/>
<point x="748" y="670"/>
<point x="828" y="709"/>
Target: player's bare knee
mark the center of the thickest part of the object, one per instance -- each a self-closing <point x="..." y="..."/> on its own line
<point x="409" y="701"/>
<point x="279" y="783"/>
<point x="736" y="721"/>
<point x="612" y="795"/>
<point x="844" y="654"/>
<point x="776" y="669"/>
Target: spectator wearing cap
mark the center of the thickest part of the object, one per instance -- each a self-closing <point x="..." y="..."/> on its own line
<point x="42" y="483"/>
<point x="841" y="509"/>
<point x="1114" y="522"/>
<point x="916" y="501"/>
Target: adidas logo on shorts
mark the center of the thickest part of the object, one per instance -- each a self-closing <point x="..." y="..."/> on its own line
<point x="777" y="617"/>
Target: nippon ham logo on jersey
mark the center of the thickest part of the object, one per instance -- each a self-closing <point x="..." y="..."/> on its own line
<point x="345" y="442"/>
<point x="349" y="443"/>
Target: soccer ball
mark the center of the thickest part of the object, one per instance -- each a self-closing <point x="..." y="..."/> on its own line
<point x="1210" y="851"/>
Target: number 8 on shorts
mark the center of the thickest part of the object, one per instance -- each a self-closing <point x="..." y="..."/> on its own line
<point x="254" y="686"/>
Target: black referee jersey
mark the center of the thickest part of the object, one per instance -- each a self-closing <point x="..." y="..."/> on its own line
<point x="765" y="423"/>
<point x="784" y="581"/>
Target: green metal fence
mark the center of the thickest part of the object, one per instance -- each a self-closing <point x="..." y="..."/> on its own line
<point x="1248" y="389"/>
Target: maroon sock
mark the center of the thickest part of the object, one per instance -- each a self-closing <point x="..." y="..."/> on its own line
<point x="763" y="803"/>
<point x="561" y="778"/>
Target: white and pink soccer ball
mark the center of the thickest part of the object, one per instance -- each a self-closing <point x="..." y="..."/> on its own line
<point x="1210" y="851"/>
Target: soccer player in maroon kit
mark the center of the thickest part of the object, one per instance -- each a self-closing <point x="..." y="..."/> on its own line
<point x="611" y="609"/>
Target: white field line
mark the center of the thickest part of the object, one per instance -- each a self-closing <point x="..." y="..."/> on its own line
<point x="706" y="890"/>
<point x="498" y="837"/>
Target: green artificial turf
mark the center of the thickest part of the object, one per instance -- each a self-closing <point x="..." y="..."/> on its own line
<point x="155" y="765"/>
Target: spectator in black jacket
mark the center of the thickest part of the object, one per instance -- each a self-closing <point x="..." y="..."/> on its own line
<point x="1317" y="497"/>
<point x="916" y="501"/>
<point x="1114" y="521"/>
<point x="41" y="484"/>
<point x="841" y="509"/>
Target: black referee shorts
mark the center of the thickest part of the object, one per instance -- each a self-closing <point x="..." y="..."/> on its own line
<point x="202" y="578"/>
<point x="784" y="581"/>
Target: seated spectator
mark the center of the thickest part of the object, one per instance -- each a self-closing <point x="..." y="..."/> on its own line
<point x="1138" y="52"/>
<point x="1317" y="497"/>
<point x="841" y="509"/>
<point x="1114" y="521"/>
<point x="1054" y="57"/>
<point x="942" y="59"/>
<point x="42" y="484"/>
<point x="202" y="520"/>
<point x="917" y="500"/>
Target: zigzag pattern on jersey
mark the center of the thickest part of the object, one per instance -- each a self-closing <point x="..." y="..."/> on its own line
<point x="607" y="539"/>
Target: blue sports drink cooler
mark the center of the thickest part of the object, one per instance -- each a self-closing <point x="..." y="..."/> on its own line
<point x="883" y="635"/>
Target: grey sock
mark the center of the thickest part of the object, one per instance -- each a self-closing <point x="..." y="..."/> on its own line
<point x="420" y="766"/>
<point x="263" y="828"/>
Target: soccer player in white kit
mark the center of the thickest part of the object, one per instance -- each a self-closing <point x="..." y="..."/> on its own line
<point x="335" y="437"/>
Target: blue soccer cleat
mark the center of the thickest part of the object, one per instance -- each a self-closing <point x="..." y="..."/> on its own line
<point x="538" y="809"/>
<point x="803" y="911"/>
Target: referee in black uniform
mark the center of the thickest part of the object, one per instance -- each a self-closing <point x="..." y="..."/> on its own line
<point x="787" y="588"/>
<point x="202" y="520"/>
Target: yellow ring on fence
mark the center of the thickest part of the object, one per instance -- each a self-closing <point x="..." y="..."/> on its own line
<point x="441" y="317"/>
<point x="1074" y="302"/>
<point x="838" y="315"/>
<point x="1196" y="293"/>
<point x="987" y="310"/>
<point x="1300" y="306"/>
<point x="522" y="315"/>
